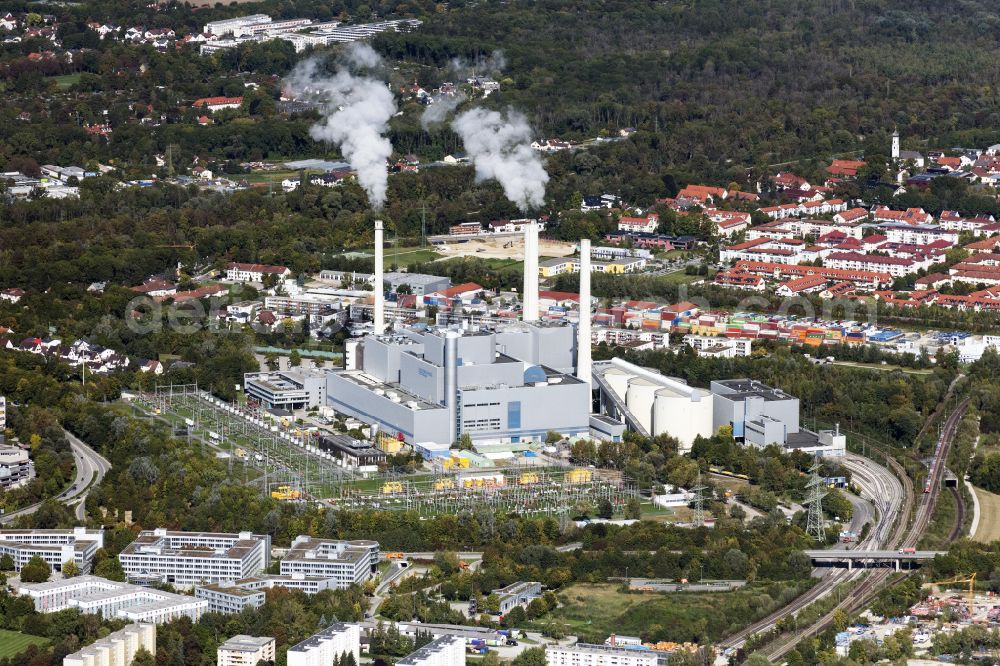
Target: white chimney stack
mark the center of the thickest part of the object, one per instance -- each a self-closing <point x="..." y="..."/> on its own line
<point x="379" y="281"/>
<point x="529" y="299"/>
<point x="583" y="362"/>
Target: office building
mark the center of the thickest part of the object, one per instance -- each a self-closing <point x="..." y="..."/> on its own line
<point x="117" y="648"/>
<point x="443" y="651"/>
<point x="333" y="642"/>
<point x="508" y="384"/>
<point x="241" y="650"/>
<point x="518" y="594"/>
<point x="288" y="389"/>
<point x="56" y="547"/>
<point x="229" y="599"/>
<point x="16" y="466"/>
<point x="91" y="594"/>
<point x="192" y="558"/>
<point x="347" y="562"/>
<point x="585" y="654"/>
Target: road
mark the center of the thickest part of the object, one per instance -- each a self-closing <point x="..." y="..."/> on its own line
<point x="885" y="490"/>
<point x="903" y="536"/>
<point x="90" y="470"/>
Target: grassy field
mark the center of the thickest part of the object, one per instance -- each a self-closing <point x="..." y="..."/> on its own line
<point x="14" y="643"/>
<point x="410" y="255"/>
<point x="680" y="277"/>
<point x="66" y="80"/>
<point x="675" y="616"/>
<point x="885" y="368"/>
<point x="989" y="517"/>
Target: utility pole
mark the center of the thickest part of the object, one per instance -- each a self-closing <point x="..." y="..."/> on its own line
<point x="814" y="499"/>
<point x="699" y="502"/>
<point x="423" y="225"/>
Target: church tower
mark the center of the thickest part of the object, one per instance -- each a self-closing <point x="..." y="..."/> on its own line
<point x="895" y="144"/>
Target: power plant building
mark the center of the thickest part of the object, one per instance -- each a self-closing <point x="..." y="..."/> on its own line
<point x="430" y="385"/>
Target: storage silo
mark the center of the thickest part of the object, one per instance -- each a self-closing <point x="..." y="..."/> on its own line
<point x="639" y="399"/>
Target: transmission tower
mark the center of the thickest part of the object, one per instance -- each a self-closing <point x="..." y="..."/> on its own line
<point x="815" y="493"/>
<point x="699" y="502"/>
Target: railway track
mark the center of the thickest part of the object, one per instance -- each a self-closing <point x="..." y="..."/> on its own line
<point x="904" y="536"/>
<point x="956" y="529"/>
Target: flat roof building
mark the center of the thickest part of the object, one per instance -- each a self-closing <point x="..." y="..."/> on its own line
<point x="56" y="547"/>
<point x="287" y="389"/>
<point x="242" y="650"/>
<point x="510" y="383"/>
<point x="585" y="654"/>
<point x="192" y="558"/>
<point x="419" y="283"/>
<point x="117" y="648"/>
<point x="352" y="452"/>
<point x="16" y="466"/>
<point x="518" y="594"/>
<point x="229" y="599"/>
<point x="321" y="648"/>
<point x="347" y="562"/>
<point x="92" y="594"/>
<point x="443" y="651"/>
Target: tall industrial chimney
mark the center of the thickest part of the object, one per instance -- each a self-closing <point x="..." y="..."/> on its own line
<point x="529" y="299"/>
<point x="583" y="364"/>
<point x="451" y="381"/>
<point x="379" y="281"/>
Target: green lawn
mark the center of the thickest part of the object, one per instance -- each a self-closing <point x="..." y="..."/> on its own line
<point x="677" y="616"/>
<point x="410" y="255"/>
<point x="680" y="277"/>
<point x="13" y="643"/>
<point x="63" y="82"/>
<point x="885" y="368"/>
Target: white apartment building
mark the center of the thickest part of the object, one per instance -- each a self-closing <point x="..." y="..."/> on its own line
<point x="16" y="466"/>
<point x="117" y="648"/>
<point x="347" y="562"/>
<point x="623" y="336"/>
<point x="584" y="654"/>
<point x="707" y="345"/>
<point x="92" y="594"/>
<point x="444" y="651"/>
<point x="242" y="650"/>
<point x="229" y="599"/>
<point x="56" y="547"/>
<point x="916" y="234"/>
<point x="894" y="266"/>
<point x="192" y="558"/>
<point x="237" y="272"/>
<point x="321" y="648"/>
<point x="227" y="26"/>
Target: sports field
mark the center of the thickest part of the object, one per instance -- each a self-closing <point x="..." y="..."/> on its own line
<point x="14" y="643"/>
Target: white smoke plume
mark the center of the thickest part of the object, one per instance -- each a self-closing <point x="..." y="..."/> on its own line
<point x="439" y="110"/>
<point x="356" y="111"/>
<point x="494" y="63"/>
<point x="500" y="148"/>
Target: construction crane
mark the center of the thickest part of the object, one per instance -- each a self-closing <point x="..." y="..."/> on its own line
<point x="962" y="580"/>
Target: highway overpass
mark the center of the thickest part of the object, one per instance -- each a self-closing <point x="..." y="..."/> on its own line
<point x="867" y="559"/>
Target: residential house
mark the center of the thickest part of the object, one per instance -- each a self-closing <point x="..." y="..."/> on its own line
<point x="218" y="103"/>
<point x="239" y="272"/>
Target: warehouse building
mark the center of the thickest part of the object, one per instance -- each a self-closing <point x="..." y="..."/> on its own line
<point x="192" y="558"/>
<point x="419" y="283"/>
<point x="331" y="643"/>
<point x="92" y="594"/>
<point x="432" y="385"/>
<point x="518" y="594"/>
<point x="56" y="547"/>
<point x="117" y="648"/>
<point x="347" y="562"/>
